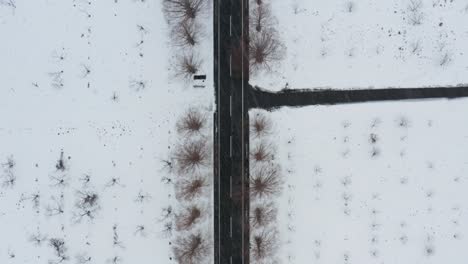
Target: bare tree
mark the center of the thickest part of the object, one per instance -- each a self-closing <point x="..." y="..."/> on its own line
<point x="191" y="249"/>
<point x="262" y="214"/>
<point x="187" y="65"/>
<point x="261" y="18"/>
<point x="263" y="245"/>
<point x="191" y="122"/>
<point x="261" y="125"/>
<point x="265" y="181"/>
<point x="186" y="33"/>
<point x="188" y="218"/>
<point x="189" y="189"/>
<point x="266" y="50"/>
<point x="262" y="152"/>
<point x="179" y="10"/>
<point x="191" y="155"/>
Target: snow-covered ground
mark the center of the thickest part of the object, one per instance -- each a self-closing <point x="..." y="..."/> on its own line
<point x="370" y="43"/>
<point x="374" y="183"/>
<point x="90" y="79"/>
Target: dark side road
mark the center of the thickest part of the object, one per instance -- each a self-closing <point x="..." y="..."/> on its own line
<point x="234" y="97"/>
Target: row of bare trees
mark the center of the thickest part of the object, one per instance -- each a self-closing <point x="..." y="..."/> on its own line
<point x="191" y="167"/>
<point x="186" y="31"/>
<point x="265" y="186"/>
<point x="265" y="47"/>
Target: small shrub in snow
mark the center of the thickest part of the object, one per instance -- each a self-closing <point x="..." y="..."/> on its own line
<point x="414" y="5"/>
<point x="350" y="6"/>
<point x="188" y="189"/>
<point x="188" y="218"/>
<point x="429" y="250"/>
<point x="445" y="59"/>
<point x="8" y="179"/>
<point x="37" y="239"/>
<point x="86" y="205"/>
<point x="415" y="15"/>
<point x="59" y="180"/>
<point x="83" y="259"/>
<point x="187" y="65"/>
<point x="192" y="155"/>
<point x="191" y="249"/>
<point x="166" y="213"/>
<point x="265" y="181"/>
<point x="9" y="3"/>
<point x="266" y="50"/>
<point x="60" y="250"/>
<point x="179" y="10"/>
<point x="261" y="125"/>
<point x="137" y="85"/>
<point x="61" y="163"/>
<point x="416" y="47"/>
<point x="55" y="206"/>
<point x="9" y="164"/>
<point x="375" y="152"/>
<point x="167" y="230"/>
<point x="263" y="245"/>
<point x="193" y="121"/>
<point x="403" y="122"/>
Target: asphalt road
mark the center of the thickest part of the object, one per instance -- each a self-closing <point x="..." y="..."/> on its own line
<point x="231" y="148"/>
<point x="259" y="98"/>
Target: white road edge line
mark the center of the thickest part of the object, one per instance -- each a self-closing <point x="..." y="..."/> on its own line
<point x="242" y="137"/>
<point x="219" y="140"/>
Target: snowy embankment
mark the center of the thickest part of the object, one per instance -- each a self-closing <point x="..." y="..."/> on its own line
<point x="374" y="183"/>
<point x="361" y="44"/>
<point x="88" y="79"/>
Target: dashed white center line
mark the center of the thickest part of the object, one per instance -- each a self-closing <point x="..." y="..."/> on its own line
<point x="230" y="65"/>
<point x="230" y="226"/>
<point x="230" y="146"/>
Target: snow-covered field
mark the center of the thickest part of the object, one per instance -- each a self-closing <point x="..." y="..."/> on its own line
<point x="374" y="183"/>
<point x="91" y="80"/>
<point x="370" y="43"/>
